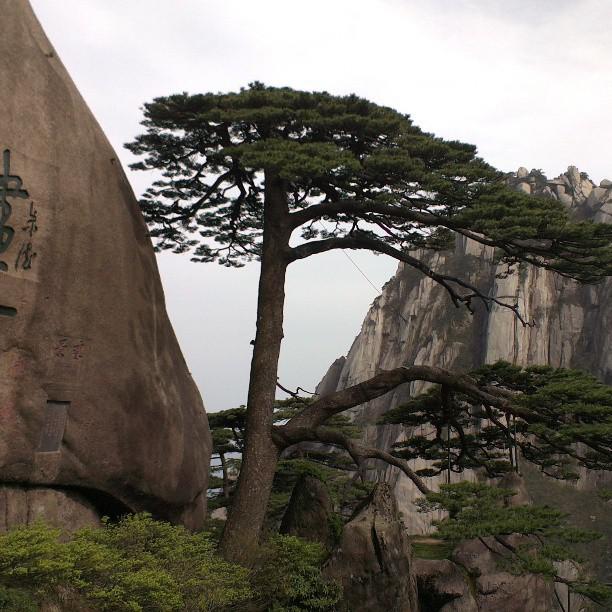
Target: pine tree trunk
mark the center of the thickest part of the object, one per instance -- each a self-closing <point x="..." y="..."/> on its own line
<point x="260" y="456"/>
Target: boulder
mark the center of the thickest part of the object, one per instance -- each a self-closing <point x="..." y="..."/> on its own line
<point x="498" y="590"/>
<point x="524" y="187"/>
<point x="522" y="173"/>
<point x="443" y="586"/>
<point x="95" y="396"/>
<point x="309" y="514"/>
<point x="69" y="510"/>
<point x="373" y="561"/>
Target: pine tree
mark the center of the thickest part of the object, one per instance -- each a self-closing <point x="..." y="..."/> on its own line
<point x="244" y="173"/>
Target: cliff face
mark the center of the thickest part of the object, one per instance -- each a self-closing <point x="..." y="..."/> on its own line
<point x="414" y="322"/>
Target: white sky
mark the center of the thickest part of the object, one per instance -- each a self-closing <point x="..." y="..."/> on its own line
<point x="528" y="81"/>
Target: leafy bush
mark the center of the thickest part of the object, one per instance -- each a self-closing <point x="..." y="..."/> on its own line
<point x="134" y="565"/>
<point x="139" y="564"/>
<point x="33" y="559"/>
<point x="288" y="577"/>
<point x="13" y="600"/>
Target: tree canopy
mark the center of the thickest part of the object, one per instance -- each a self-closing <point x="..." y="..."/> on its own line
<point x="538" y="413"/>
<point x="384" y="184"/>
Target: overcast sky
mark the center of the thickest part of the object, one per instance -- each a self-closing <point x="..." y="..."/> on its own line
<point x="528" y="81"/>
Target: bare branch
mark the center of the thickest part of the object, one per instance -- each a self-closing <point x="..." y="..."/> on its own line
<point x="296" y="393"/>
<point x="445" y="280"/>
<point x="387" y="380"/>
<point x="284" y="437"/>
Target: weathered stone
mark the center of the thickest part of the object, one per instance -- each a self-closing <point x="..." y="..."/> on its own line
<point x="606" y="184"/>
<point x="95" y="395"/>
<point x="515" y="483"/>
<point x="498" y="590"/>
<point x="219" y="514"/>
<point x="69" y="510"/>
<point x="522" y="173"/>
<point x="443" y="586"/>
<point x="524" y="187"/>
<point x="373" y="561"/>
<point x="310" y="511"/>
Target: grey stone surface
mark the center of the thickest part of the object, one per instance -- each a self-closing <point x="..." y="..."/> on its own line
<point x="522" y="173"/>
<point x="443" y="586"/>
<point x="497" y="590"/>
<point x="89" y="325"/>
<point x="373" y="560"/>
<point x="309" y="512"/>
<point x="68" y="510"/>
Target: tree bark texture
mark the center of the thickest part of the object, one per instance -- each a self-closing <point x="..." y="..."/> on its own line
<point x="247" y="513"/>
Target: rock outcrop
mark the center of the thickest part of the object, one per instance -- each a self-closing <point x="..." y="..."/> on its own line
<point x="310" y="511"/>
<point x="495" y="589"/>
<point x="96" y="402"/>
<point x="472" y="581"/>
<point x="443" y="586"/>
<point x="373" y="560"/>
<point x="26" y="505"/>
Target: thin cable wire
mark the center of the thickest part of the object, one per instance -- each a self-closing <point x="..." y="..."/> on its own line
<point x="377" y="289"/>
<point x="361" y="272"/>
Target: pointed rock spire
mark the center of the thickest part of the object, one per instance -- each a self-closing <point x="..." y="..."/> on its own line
<point x="95" y="396"/>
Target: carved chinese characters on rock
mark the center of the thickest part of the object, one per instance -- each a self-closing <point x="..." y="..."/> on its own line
<point x="71" y="348"/>
<point x="26" y="253"/>
<point x="66" y="356"/>
<point x="53" y="430"/>
<point x="21" y="238"/>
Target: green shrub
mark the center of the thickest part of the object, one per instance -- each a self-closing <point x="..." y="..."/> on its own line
<point x="134" y="565"/>
<point x="33" y="559"/>
<point x="288" y="577"/>
<point x="139" y="564"/>
<point x="14" y="600"/>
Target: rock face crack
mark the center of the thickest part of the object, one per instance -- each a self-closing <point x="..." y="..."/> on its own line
<point x="376" y="544"/>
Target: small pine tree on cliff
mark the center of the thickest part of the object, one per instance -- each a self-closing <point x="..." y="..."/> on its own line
<point x="242" y="174"/>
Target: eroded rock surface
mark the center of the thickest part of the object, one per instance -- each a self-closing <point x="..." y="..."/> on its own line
<point x="94" y="391"/>
<point x="373" y="560"/>
<point x="59" y="508"/>
<point x="497" y="590"/>
<point x="309" y="512"/>
<point x="443" y="586"/>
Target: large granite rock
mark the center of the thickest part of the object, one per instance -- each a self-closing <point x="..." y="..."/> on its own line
<point x="95" y="396"/>
<point x="496" y="589"/>
<point x="310" y="512"/>
<point x="25" y="505"/>
<point x="373" y="560"/>
<point x="443" y="586"/>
